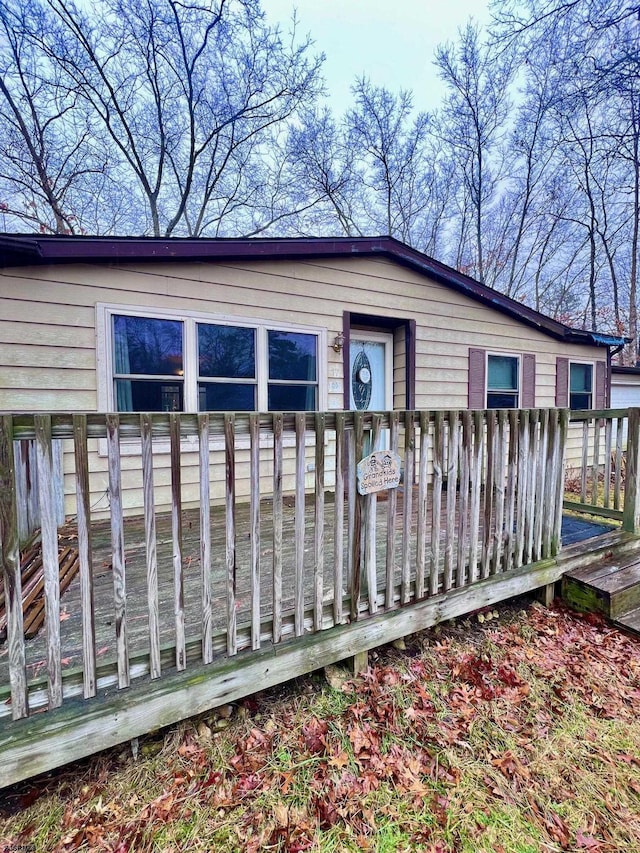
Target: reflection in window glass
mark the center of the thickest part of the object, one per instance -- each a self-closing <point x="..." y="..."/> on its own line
<point x="502" y="382"/>
<point x="226" y="397"/>
<point x="292" y="398"/>
<point x="226" y="351"/>
<point x="148" y="395"/>
<point x="580" y="386"/>
<point x="292" y="356"/>
<point x="143" y="345"/>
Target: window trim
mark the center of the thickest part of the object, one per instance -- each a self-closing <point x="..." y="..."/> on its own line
<point x="105" y="360"/>
<point x="518" y="357"/>
<point x="585" y="363"/>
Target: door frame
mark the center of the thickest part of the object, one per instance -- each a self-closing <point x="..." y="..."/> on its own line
<point x="397" y="326"/>
<point x="385" y="338"/>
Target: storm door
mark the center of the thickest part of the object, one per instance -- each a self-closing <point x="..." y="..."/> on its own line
<point x="371" y="373"/>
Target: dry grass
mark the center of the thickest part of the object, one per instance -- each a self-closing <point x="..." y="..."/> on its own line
<point x="515" y="736"/>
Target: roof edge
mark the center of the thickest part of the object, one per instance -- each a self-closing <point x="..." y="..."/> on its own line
<point x="21" y="250"/>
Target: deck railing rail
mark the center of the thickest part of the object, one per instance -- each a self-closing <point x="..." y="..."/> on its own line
<point x="482" y="494"/>
<point x="597" y="462"/>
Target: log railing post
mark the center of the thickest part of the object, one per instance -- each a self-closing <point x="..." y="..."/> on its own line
<point x="11" y="571"/>
<point x="631" y="509"/>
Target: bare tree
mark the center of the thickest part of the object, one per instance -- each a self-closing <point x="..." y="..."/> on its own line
<point x="473" y="124"/>
<point x="186" y="97"/>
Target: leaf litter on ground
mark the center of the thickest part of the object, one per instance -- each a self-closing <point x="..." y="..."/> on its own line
<point x="515" y="735"/>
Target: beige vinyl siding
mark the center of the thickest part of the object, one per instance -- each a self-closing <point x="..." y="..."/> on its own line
<point x="48" y="337"/>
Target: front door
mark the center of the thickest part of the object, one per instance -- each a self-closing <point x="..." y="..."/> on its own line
<point x="370" y="373"/>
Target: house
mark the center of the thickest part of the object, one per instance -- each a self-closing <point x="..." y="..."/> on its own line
<point x="97" y="324"/>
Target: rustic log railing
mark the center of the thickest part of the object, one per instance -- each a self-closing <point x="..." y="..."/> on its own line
<point x="596" y="470"/>
<point x="482" y="495"/>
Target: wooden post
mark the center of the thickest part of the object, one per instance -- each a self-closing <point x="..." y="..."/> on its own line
<point x="146" y="425"/>
<point x="254" y="510"/>
<point x="318" y="569"/>
<point x="85" y="554"/>
<point x="476" y="489"/>
<point x="371" y="506"/>
<point x="392" y="505"/>
<point x="436" y="501"/>
<point x="205" y="539"/>
<point x="230" y="539"/>
<point x="176" y="533"/>
<point x="489" y="496"/>
<point x="277" y="526"/>
<point x="422" y="505"/>
<point x="117" y="549"/>
<point x="618" y="467"/>
<point x="299" y="524"/>
<point x="452" y="481"/>
<point x="499" y="485"/>
<point x="49" y="556"/>
<point x="466" y="463"/>
<point x="559" y="464"/>
<point x="409" y="449"/>
<point x="360" y="663"/>
<point x="631" y="508"/>
<point x="338" y="533"/>
<point x="11" y="572"/>
<point x="356" y="537"/>
<point x="546" y="594"/>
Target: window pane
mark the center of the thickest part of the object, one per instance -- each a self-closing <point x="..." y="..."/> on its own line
<point x="580" y="380"/>
<point x="292" y="355"/>
<point x="148" y="395"/>
<point x="502" y="372"/>
<point x="292" y="398"/>
<point x="226" y="397"/>
<point x="146" y="345"/>
<point x="580" y="401"/>
<point x="498" y="400"/>
<point x="227" y="351"/>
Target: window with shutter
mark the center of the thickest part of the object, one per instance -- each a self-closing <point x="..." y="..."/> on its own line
<point x="503" y="381"/>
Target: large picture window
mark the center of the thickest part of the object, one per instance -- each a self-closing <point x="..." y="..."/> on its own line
<point x="503" y="372"/>
<point x="193" y="363"/>
<point x="580" y="386"/>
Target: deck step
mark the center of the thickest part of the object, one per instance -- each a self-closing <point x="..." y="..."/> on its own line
<point x="629" y="621"/>
<point x="611" y="587"/>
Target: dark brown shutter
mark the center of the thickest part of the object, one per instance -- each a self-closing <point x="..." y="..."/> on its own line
<point x="477" y="367"/>
<point x="601" y="385"/>
<point x="528" y="381"/>
<point x="562" y="382"/>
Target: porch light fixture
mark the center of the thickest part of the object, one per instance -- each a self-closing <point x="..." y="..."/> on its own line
<point x="338" y="342"/>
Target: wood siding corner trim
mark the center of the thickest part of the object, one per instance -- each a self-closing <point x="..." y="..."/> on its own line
<point x="410" y="363"/>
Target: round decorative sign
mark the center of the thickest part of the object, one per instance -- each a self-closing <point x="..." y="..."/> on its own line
<point x="361" y="381"/>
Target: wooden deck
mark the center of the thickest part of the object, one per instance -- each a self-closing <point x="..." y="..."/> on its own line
<point x="173" y="613"/>
<point x="137" y="615"/>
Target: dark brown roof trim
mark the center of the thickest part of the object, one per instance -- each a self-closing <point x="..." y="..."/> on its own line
<point x="622" y="370"/>
<point x="23" y="250"/>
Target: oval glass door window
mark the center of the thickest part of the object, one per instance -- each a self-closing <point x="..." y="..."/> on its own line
<point x="369" y="373"/>
<point x="361" y="381"/>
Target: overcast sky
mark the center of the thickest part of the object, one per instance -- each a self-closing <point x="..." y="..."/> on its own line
<point x="390" y="41"/>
